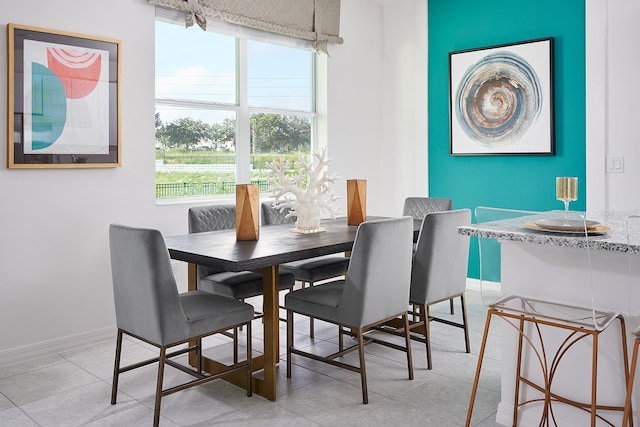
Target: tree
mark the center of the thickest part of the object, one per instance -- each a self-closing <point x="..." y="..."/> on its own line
<point x="224" y="134"/>
<point x="279" y="133"/>
<point x="185" y="132"/>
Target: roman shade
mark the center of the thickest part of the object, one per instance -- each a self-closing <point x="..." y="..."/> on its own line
<point x="314" y="20"/>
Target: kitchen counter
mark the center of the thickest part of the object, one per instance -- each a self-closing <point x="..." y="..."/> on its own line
<point x="555" y="266"/>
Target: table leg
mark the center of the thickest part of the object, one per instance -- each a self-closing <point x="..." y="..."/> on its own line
<point x="271" y="319"/>
<point x="192" y="285"/>
<point x="267" y="362"/>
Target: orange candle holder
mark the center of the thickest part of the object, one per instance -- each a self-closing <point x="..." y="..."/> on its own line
<point x="247" y="212"/>
<point x="356" y="201"/>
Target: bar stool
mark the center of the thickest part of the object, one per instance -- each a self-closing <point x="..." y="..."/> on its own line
<point x="530" y="318"/>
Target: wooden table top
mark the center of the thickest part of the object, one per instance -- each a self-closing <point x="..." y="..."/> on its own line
<point x="277" y="244"/>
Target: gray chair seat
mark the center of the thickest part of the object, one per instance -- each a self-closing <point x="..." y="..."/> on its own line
<point x="206" y="312"/>
<point x="316" y="269"/>
<point x="241" y="285"/>
<point x="320" y="301"/>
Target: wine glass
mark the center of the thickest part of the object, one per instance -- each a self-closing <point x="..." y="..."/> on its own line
<point x="567" y="191"/>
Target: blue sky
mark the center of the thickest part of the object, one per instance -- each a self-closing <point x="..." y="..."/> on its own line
<point x="198" y="65"/>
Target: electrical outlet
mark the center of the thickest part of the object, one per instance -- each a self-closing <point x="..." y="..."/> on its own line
<point x="615" y="164"/>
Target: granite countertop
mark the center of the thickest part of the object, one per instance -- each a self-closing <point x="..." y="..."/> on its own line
<point x="514" y="230"/>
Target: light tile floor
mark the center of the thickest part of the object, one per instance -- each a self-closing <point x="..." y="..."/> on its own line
<point x="74" y="388"/>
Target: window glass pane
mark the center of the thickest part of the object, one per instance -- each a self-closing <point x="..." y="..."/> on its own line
<point x="275" y="135"/>
<point x="196" y="65"/>
<point x="195" y="152"/>
<point x="279" y="77"/>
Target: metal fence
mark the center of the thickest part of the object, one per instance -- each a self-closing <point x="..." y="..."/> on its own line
<point x="186" y="189"/>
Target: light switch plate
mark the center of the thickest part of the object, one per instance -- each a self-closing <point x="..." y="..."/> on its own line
<point x="615" y="164"/>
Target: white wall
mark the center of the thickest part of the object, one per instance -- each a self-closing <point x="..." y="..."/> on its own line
<point x="55" y="280"/>
<point x="378" y="103"/>
<point x="623" y="92"/>
<point x="612" y="108"/>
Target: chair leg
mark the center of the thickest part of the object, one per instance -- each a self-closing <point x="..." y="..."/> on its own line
<point x="199" y="354"/>
<point x="161" y="362"/>
<point x="249" y="361"/>
<point x="363" y="370"/>
<point x="235" y="344"/>
<point x="476" y="379"/>
<point x="312" y="333"/>
<point x="116" y="368"/>
<point x="451" y="307"/>
<point x="407" y="339"/>
<point x="626" y="420"/>
<point x="424" y="312"/>
<point x="289" y="340"/>
<point x="465" y="324"/>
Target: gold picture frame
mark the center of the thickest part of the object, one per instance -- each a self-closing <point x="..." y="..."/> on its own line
<point x="63" y="99"/>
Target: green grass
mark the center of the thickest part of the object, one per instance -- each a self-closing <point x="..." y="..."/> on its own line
<point x="186" y="184"/>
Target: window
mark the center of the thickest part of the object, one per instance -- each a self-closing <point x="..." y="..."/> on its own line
<point x="225" y="106"/>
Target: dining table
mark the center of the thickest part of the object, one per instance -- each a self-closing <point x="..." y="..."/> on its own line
<point x="277" y="244"/>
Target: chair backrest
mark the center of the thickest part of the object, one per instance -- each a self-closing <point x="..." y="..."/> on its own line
<point x="273" y="216"/>
<point x="519" y="221"/>
<point x="418" y="207"/>
<point x="440" y="262"/>
<point x="379" y="274"/>
<point x="211" y="218"/>
<point x="144" y="288"/>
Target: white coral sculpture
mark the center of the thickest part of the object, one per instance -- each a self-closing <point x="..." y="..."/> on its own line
<point x="309" y="188"/>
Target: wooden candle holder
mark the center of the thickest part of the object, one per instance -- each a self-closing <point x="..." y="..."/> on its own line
<point x="356" y="201"/>
<point x="247" y="212"/>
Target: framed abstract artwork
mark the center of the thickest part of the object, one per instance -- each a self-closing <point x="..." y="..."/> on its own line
<point x="64" y="98"/>
<point x="501" y="100"/>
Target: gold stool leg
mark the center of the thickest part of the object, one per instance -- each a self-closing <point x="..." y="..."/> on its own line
<point x="628" y="413"/>
<point x="474" y="389"/>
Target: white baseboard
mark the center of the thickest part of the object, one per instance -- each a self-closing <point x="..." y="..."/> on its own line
<point x="60" y="345"/>
<point x="56" y="346"/>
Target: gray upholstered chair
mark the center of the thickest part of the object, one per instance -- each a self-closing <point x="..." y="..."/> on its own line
<point x="239" y="285"/>
<point x="307" y="271"/>
<point x="149" y="308"/>
<point x="418" y="207"/>
<point x="376" y="289"/>
<point x="439" y="271"/>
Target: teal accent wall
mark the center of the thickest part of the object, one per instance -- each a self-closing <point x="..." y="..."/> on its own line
<point x="518" y="182"/>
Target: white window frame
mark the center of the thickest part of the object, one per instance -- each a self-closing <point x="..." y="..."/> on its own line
<point x="241" y="108"/>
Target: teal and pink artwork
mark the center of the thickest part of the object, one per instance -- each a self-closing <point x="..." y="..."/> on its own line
<point x="66" y="99"/>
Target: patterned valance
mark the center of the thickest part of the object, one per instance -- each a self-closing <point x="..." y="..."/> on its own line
<point x="314" y="20"/>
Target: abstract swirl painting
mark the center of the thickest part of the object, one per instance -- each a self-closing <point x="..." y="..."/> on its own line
<point x="64" y="99"/>
<point x="501" y="99"/>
